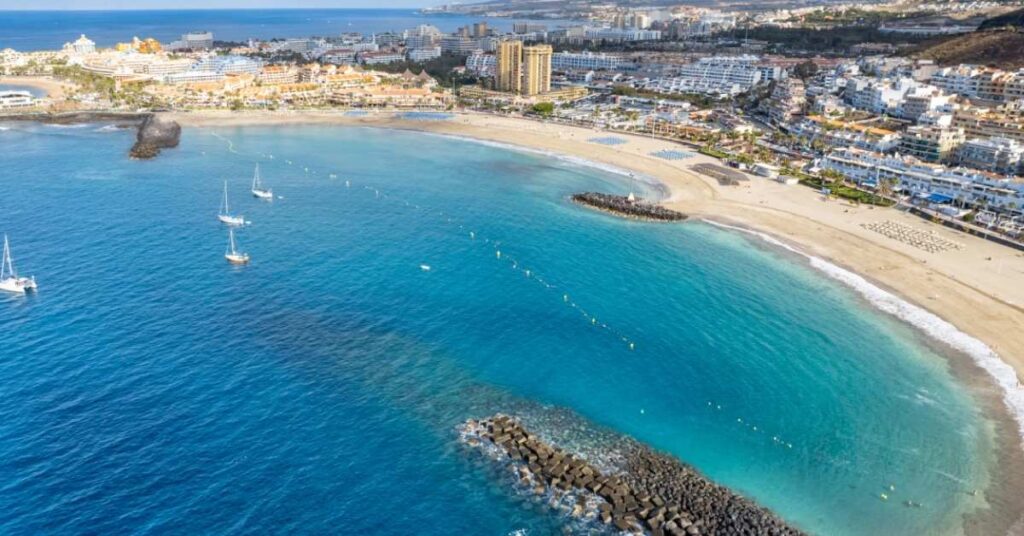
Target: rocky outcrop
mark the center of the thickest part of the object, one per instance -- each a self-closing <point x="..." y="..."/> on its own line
<point x="621" y="205"/>
<point x="656" y="494"/>
<point x="155" y="133"/>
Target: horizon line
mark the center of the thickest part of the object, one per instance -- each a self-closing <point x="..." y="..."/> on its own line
<point x="307" y="8"/>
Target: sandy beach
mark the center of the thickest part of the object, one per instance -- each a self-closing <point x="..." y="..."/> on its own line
<point x="53" y="88"/>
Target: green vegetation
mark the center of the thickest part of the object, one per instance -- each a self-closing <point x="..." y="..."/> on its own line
<point x="442" y="69"/>
<point x="856" y="16"/>
<point x="826" y="40"/>
<point x="543" y="108"/>
<point x="714" y="153"/>
<point x="840" y="189"/>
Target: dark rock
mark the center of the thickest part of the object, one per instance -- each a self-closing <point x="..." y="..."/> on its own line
<point x="622" y="206"/>
<point x="155" y="133"/>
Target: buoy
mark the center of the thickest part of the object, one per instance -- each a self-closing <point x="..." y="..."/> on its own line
<point x="425" y="267"/>
<point x="641" y="411"/>
<point x="527" y="273"/>
<point x="497" y="254"/>
<point x="883" y="496"/>
<point x="632" y="346"/>
<point x="347" y="184"/>
<point x="472" y="235"/>
<point x="892" y="487"/>
<point x="593" y="321"/>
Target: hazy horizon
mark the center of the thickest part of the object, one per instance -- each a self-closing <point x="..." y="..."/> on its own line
<point x="159" y="5"/>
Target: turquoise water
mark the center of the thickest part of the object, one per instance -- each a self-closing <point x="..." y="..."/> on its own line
<point x="151" y="387"/>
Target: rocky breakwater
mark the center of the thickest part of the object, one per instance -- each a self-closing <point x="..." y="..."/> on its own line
<point x="621" y="205"/>
<point x="656" y="494"/>
<point x="155" y="133"/>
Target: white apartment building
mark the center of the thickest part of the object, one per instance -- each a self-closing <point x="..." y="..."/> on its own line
<point x="716" y="75"/>
<point x="998" y="155"/>
<point x="482" y="64"/>
<point x="878" y="96"/>
<point x="424" y="54"/>
<point x="193" y="41"/>
<point x="374" y="58"/>
<point x="189" y="77"/>
<point x="921" y="99"/>
<point x="457" y="44"/>
<point x="920" y="180"/>
<point x="589" y="61"/>
<point x="622" y="34"/>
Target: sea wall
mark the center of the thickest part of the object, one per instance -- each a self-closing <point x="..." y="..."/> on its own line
<point x="656" y="494"/>
<point x="621" y="205"/>
<point x="154" y="132"/>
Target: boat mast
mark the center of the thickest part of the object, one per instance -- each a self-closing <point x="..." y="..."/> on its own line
<point x="7" y="267"/>
<point x="227" y="210"/>
<point x="231" y="240"/>
<point x="256" y="178"/>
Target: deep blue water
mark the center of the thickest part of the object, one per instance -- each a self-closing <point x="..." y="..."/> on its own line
<point x="150" y="387"/>
<point x="44" y="30"/>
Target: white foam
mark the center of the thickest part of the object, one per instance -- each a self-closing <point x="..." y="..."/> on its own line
<point x="929" y="323"/>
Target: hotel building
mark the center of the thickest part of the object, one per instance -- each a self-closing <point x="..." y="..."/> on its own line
<point x="536" y="69"/>
<point x="973" y="188"/>
<point x="509" y="67"/>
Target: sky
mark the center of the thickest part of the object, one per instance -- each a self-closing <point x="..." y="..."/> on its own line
<point x="208" y="4"/>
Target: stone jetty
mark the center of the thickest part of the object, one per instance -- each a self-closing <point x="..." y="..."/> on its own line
<point x="621" y="205"/>
<point x="154" y="131"/>
<point x="655" y="494"/>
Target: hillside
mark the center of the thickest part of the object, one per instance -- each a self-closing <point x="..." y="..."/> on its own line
<point x="1013" y="18"/>
<point x="1000" y="48"/>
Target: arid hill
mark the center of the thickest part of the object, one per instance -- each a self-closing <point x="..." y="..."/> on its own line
<point x="998" y="48"/>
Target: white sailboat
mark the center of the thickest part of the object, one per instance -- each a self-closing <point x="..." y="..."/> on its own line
<point x="9" y="280"/>
<point x="225" y="212"/>
<point x="257" y="187"/>
<point x="232" y="254"/>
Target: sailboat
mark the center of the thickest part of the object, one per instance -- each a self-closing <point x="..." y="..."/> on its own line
<point x="9" y="280"/>
<point x="233" y="255"/>
<point x="225" y="212"/>
<point x="257" y="188"/>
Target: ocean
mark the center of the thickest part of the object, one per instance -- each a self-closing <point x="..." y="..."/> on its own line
<point x="48" y="30"/>
<point x="151" y="387"/>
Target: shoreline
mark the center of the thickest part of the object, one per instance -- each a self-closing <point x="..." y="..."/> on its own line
<point x="54" y="88"/>
<point x="956" y="287"/>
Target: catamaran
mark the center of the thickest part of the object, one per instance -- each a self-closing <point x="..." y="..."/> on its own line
<point x="233" y="255"/>
<point x="257" y="188"/>
<point x="9" y="280"/>
<point x="225" y="212"/>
